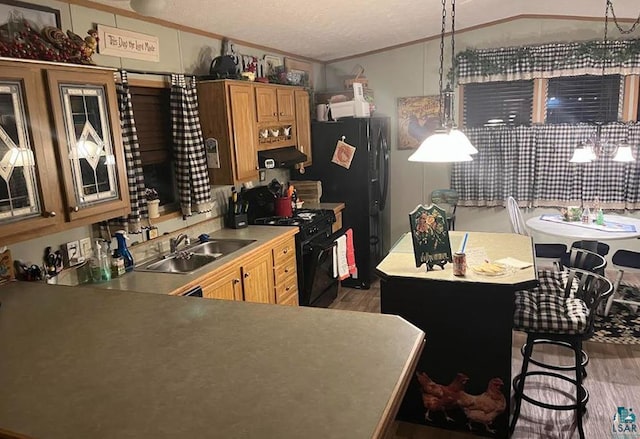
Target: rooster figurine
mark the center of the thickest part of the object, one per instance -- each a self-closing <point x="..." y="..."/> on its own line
<point x="484" y="408"/>
<point x="437" y="397"/>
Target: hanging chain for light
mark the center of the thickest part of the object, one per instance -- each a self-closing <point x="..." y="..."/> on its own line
<point x="615" y="20"/>
<point x="441" y="97"/>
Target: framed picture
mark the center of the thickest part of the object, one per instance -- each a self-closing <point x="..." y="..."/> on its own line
<point x="418" y="117"/>
<point x="298" y="72"/>
<point x="13" y="13"/>
<point x="270" y="64"/>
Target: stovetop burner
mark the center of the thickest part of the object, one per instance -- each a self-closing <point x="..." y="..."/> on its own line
<point x="310" y="221"/>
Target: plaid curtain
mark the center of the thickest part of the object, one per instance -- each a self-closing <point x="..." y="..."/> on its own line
<point x="532" y="165"/>
<point x="133" y="161"/>
<point x="192" y="174"/>
<point x="548" y="61"/>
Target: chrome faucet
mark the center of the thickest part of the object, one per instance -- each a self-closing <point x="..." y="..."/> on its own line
<point x="175" y="242"/>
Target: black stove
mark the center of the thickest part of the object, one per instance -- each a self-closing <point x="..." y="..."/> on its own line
<point x="314" y="245"/>
<point x="312" y="222"/>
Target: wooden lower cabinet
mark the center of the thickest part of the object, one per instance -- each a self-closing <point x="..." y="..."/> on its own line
<point x="285" y="272"/>
<point x="267" y="275"/>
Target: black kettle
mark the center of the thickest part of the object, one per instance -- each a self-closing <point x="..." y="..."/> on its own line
<point x="223" y="67"/>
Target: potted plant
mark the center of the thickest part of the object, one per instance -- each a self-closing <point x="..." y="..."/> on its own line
<point x="153" y="202"/>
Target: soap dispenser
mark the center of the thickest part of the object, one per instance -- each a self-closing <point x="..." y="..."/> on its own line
<point x="101" y="272"/>
<point x="121" y="237"/>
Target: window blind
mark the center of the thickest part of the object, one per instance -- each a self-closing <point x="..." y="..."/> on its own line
<point x="576" y="99"/>
<point x="505" y="103"/>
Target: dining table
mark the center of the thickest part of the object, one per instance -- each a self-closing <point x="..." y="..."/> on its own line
<point x="615" y="227"/>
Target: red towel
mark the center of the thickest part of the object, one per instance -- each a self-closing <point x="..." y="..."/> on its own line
<point x="351" y="254"/>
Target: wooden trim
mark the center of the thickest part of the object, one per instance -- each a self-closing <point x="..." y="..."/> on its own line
<point x="476" y="27"/>
<point x="138" y="82"/>
<point x="630" y="103"/>
<point x="180" y="27"/>
<point x="539" y="111"/>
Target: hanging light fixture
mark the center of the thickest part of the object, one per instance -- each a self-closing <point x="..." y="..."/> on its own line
<point x="448" y="143"/>
<point x="148" y="7"/>
<point x="596" y="146"/>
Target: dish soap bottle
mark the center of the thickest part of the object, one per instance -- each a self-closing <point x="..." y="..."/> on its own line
<point x="100" y="270"/>
<point x="121" y="237"/>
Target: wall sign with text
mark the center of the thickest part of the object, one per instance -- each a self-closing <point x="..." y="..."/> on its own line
<point x="127" y="44"/>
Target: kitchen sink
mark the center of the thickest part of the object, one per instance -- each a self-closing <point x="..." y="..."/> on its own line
<point x="183" y="263"/>
<point x="220" y="247"/>
<point x="194" y="257"/>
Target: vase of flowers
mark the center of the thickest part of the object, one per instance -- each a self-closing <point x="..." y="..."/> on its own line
<point x="153" y="202"/>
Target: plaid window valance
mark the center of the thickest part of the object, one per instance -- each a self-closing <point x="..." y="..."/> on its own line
<point x="532" y="165"/>
<point x="548" y="60"/>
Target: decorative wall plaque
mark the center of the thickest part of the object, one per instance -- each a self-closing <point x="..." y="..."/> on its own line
<point x="430" y="235"/>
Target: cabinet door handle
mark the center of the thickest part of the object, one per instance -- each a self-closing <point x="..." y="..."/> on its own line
<point x="286" y="270"/>
<point x="74" y="209"/>
<point x="246" y="275"/>
<point x="275" y="114"/>
<point x="51" y="214"/>
<point x="285" y="251"/>
<point x="287" y="289"/>
<point x="281" y="113"/>
<point x="236" y="281"/>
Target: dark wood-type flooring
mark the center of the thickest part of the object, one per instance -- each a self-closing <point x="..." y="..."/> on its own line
<point x="613" y="380"/>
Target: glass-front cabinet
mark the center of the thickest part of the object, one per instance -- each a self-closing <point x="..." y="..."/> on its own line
<point x="27" y="199"/>
<point x="85" y="116"/>
<point x="61" y="154"/>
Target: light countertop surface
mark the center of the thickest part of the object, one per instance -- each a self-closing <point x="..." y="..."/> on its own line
<point x="165" y="283"/>
<point x="77" y="362"/>
<point x="400" y="262"/>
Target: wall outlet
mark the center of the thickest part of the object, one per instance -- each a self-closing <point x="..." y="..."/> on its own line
<point x="85" y="247"/>
<point x="263" y="175"/>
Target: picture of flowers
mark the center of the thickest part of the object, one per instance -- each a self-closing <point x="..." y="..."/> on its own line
<point x="430" y="236"/>
<point x="418" y="117"/>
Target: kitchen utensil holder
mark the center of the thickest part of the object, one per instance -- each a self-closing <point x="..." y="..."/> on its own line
<point x="239" y="221"/>
<point x="283" y="207"/>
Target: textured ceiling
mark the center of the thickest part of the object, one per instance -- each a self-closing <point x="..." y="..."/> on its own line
<point x="330" y="29"/>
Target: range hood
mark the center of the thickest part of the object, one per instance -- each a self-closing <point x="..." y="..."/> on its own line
<point x="280" y="157"/>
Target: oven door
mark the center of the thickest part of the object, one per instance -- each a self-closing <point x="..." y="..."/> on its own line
<point x="320" y="285"/>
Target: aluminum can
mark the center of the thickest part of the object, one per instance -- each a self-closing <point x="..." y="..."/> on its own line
<point x="459" y="264"/>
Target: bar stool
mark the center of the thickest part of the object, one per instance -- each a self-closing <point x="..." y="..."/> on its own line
<point x="560" y="312"/>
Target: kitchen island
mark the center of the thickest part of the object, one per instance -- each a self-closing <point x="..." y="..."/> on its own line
<point x="463" y="378"/>
<point x="87" y="363"/>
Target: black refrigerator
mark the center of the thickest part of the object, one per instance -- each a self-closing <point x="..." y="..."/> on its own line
<point x="363" y="187"/>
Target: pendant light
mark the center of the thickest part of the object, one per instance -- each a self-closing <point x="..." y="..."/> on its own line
<point x="448" y="143"/>
<point x="148" y="7"/>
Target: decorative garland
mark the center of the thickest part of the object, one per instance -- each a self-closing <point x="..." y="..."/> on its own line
<point x="502" y="61"/>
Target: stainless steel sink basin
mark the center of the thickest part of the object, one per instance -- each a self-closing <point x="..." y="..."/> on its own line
<point x="192" y="258"/>
<point x="220" y="247"/>
<point x="178" y="264"/>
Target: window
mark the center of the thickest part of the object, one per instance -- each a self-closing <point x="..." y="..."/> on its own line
<point x="498" y="103"/>
<point x="576" y="99"/>
<point x="153" y="123"/>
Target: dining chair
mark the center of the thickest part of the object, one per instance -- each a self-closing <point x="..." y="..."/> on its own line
<point x="446" y="199"/>
<point x="561" y="312"/>
<point x="593" y="246"/>
<point x="625" y="261"/>
<point x="544" y="251"/>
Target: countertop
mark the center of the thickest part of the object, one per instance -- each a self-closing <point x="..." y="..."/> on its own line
<point x="84" y="363"/>
<point x="165" y="283"/>
<point x="400" y="262"/>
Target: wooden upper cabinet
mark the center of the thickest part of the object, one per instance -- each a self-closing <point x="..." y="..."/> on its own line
<point x="266" y="104"/>
<point x="286" y="104"/>
<point x="29" y="195"/>
<point x="228" y="115"/>
<point x="303" y="124"/>
<point x="244" y="131"/>
<point x="89" y="144"/>
<point x="60" y="149"/>
<point x="274" y="104"/>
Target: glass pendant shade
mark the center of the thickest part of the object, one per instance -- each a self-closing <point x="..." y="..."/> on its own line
<point x="624" y="155"/>
<point x="461" y="138"/>
<point x="582" y="155"/>
<point x="441" y="147"/>
<point x="148" y="7"/>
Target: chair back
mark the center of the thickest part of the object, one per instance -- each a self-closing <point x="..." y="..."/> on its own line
<point x="586" y="260"/>
<point x="591" y="288"/>
<point x="599" y="247"/>
<point x="446" y="199"/>
<point x="626" y="258"/>
<point x="517" y="222"/>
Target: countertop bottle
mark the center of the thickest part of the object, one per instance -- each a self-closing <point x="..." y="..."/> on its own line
<point x="121" y="237"/>
<point x="100" y="270"/>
